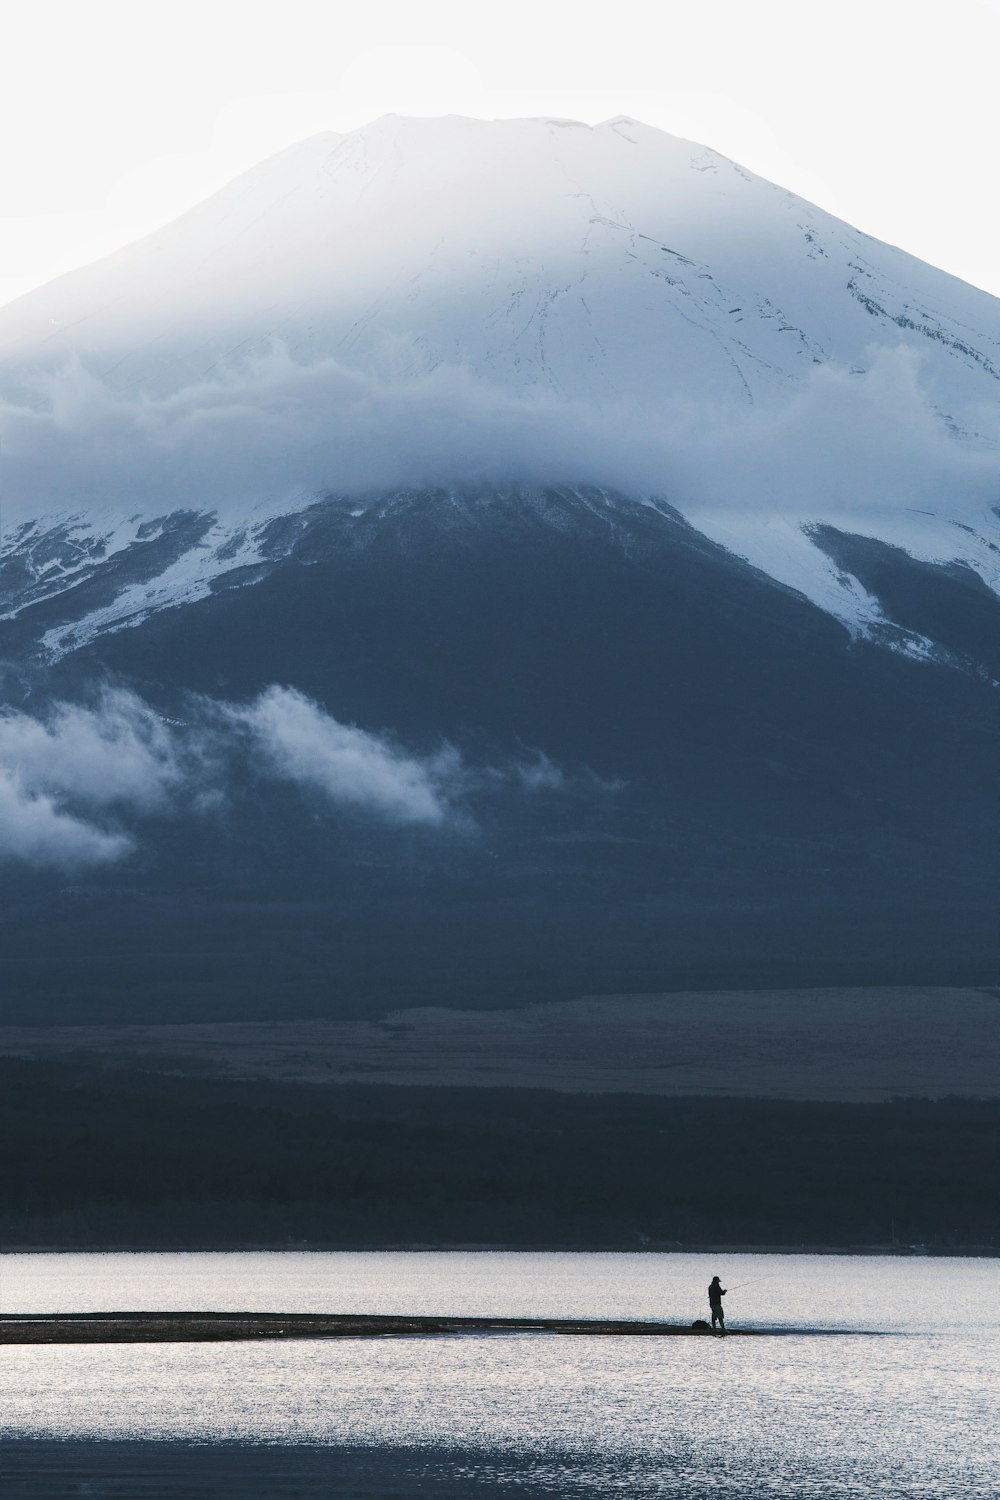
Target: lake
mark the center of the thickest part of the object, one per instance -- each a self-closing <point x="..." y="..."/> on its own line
<point x="882" y="1379"/>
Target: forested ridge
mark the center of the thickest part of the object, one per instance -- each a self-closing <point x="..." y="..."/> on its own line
<point x="117" y="1157"/>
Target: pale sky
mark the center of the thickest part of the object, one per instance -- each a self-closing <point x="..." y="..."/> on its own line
<point x="117" y="115"/>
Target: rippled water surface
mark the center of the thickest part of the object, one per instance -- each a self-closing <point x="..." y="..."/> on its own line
<point x="882" y="1378"/>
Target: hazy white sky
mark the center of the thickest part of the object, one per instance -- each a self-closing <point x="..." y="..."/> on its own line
<point x="116" y="115"/>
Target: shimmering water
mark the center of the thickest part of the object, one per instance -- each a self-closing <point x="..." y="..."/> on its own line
<point x="900" y="1398"/>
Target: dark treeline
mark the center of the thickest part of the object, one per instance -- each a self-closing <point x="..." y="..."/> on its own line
<point x="112" y="1157"/>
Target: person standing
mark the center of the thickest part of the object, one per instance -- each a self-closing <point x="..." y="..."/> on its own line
<point x="716" y="1292"/>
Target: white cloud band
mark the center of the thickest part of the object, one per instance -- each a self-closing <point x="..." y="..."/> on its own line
<point x="75" y="781"/>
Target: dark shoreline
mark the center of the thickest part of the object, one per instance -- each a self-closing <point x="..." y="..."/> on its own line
<point x="418" y="1247"/>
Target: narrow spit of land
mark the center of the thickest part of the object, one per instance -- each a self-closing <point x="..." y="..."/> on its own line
<point x="197" y="1327"/>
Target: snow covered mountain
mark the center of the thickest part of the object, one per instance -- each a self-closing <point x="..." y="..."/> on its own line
<point x="496" y="560"/>
<point x="434" y="303"/>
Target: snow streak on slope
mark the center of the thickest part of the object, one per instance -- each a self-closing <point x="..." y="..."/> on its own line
<point x="438" y="303"/>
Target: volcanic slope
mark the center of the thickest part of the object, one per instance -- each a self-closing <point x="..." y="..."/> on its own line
<point x="554" y="561"/>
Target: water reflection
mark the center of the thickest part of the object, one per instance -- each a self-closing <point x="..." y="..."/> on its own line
<point x="913" y="1414"/>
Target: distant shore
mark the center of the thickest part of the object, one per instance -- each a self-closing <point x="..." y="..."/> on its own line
<point x="973" y="1252"/>
<point x="835" y="1044"/>
<point x="109" y="1158"/>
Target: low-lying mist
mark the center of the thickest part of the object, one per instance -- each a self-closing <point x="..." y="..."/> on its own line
<point x="79" y="781"/>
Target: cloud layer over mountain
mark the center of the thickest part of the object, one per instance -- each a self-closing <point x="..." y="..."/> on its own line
<point x="866" y="450"/>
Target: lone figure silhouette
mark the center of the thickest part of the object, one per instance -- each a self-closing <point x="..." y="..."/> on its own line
<point x="715" y="1296"/>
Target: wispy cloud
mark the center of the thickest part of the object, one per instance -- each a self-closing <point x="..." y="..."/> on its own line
<point x="59" y="770"/>
<point x="80" y="782"/>
<point x="36" y="831"/>
<point x="294" y="739"/>
<point x="117" y="753"/>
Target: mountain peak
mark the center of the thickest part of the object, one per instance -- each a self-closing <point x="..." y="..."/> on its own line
<point x="435" y="301"/>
